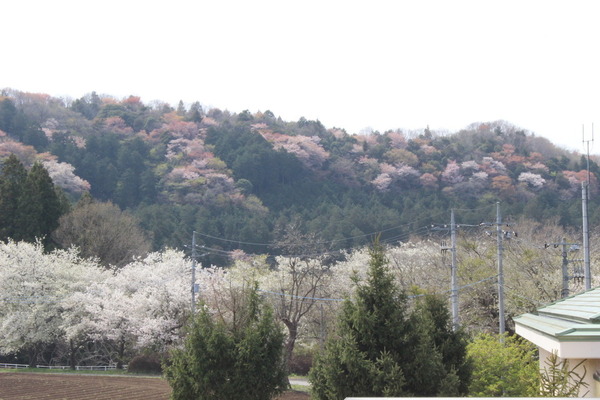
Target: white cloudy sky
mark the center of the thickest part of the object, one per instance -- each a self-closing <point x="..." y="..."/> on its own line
<point x="351" y="64"/>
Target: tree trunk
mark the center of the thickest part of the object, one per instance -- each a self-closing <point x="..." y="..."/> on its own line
<point x="72" y="363"/>
<point x="32" y="355"/>
<point x="121" y="353"/>
<point x="290" y="343"/>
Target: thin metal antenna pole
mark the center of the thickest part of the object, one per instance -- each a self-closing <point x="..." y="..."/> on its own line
<point x="586" y="237"/>
<point x="587" y="143"/>
<point x="585" y="196"/>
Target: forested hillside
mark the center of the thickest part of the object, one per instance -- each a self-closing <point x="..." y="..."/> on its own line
<point x="240" y="179"/>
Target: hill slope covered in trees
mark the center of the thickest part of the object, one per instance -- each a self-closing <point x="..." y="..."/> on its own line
<point x="245" y="177"/>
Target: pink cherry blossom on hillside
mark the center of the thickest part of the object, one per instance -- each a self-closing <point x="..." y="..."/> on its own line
<point x="492" y="167"/>
<point x="189" y="149"/>
<point x="576" y="179"/>
<point x="451" y="174"/>
<point x="469" y="166"/>
<point x="175" y="126"/>
<point x="536" y="166"/>
<point x="382" y="182"/>
<point x="117" y="125"/>
<point x="397" y="139"/>
<point x="26" y="154"/>
<point x="306" y="148"/>
<point x="63" y="175"/>
<point x="533" y="180"/>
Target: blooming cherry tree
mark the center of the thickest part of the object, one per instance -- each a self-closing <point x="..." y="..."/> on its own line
<point x="63" y="175"/>
<point x="307" y="148"/>
<point x="34" y="289"/>
<point x="534" y="180"/>
<point x="382" y="182"/>
<point x="452" y="173"/>
<point x="143" y="304"/>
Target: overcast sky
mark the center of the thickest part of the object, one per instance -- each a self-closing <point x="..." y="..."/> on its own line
<point x="355" y="65"/>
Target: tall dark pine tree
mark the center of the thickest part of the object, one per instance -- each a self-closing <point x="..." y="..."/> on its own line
<point x="12" y="179"/>
<point x="368" y="356"/>
<point x="448" y="371"/>
<point x="8" y="113"/>
<point x="39" y="206"/>
<point x="236" y="361"/>
<point x="195" y="114"/>
<point x="382" y="349"/>
<point x="181" y="108"/>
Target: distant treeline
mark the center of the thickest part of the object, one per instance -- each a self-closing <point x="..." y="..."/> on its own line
<point x="240" y="178"/>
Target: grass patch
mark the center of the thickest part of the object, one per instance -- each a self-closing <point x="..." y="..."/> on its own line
<point x="301" y="388"/>
<point x="297" y="387"/>
<point x="294" y="376"/>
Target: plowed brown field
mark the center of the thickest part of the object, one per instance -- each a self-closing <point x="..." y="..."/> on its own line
<point x="21" y="386"/>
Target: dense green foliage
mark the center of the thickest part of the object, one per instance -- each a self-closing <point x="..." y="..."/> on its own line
<point x="242" y="360"/>
<point x="11" y="186"/>
<point x="507" y="368"/>
<point x="103" y="231"/>
<point x="30" y="205"/>
<point x="383" y="349"/>
<point x="240" y="177"/>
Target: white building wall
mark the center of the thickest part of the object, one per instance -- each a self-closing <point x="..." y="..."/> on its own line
<point x="588" y="367"/>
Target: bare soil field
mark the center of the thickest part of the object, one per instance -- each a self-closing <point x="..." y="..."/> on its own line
<point x="26" y="386"/>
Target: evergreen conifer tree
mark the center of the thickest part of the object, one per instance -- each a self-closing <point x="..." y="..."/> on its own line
<point x="39" y="206"/>
<point x="445" y="371"/>
<point x="239" y="361"/>
<point x="381" y="349"/>
<point x="367" y="356"/>
<point x="12" y="179"/>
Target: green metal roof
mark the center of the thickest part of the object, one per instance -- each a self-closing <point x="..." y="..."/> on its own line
<point x="583" y="307"/>
<point x="571" y="319"/>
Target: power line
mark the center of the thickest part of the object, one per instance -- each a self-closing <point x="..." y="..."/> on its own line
<point x="298" y="297"/>
<point x="227" y="253"/>
<point x="400" y="237"/>
<point x="273" y="244"/>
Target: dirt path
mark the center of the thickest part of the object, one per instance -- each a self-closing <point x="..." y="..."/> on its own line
<point x="29" y="386"/>
<point x="76" y="387"/>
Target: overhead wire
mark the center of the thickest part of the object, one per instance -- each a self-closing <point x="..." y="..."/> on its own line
<point x="397" y="238"/>
<point x="517" y="294"/>
<point x="296" y="297"/>
<point x="274" y="244"/>
<point x="421" y="230"/>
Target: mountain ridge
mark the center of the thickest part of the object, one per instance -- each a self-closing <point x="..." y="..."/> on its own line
<point x="244" y="176"/>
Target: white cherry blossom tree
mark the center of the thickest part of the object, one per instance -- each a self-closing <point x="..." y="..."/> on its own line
<point x="34" y="288"/>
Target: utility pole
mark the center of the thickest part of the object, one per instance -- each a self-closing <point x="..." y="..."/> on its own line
<point x="499" y="235"/>
<point x="565" y="270"/>
<point x="584" y="206"/>
<point x="454" y="289"/>
<point x="565" y="264"/>
<point x="453" y="270"/>
<point x="500" y="272"/>
<point x="454" y="277"/>
<point x="193" y="272"/>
